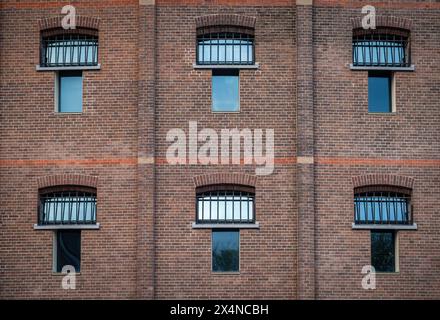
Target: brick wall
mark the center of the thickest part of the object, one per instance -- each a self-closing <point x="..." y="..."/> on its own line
<point x="326" y="143"/>
<point x="352" y="143"/>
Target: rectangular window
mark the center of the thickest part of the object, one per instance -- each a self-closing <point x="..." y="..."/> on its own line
<point x="380" y="93"/>
<point x="383" y="251"/>
<point x="70" y="85"/>
<point x="381" y="48"/>
<point x="69" y="206"/>
<point x="65" y="50"/>
<point x="382" y="207"/>
<point x="67" y="250"/>
<point x="225" y="48"/>
<point x="225" y="206"/>
<point x="225" y="250"/>
<point x="225" y="91"/>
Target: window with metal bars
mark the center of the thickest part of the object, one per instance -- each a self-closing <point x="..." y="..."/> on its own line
<point x="225" y="204"/>
<point x="66" y="50"/>
<point x="381" y="48"/>
<point x="67" y="206"/>
<point x="382" y="206"/>
<point x="225" y="48"/>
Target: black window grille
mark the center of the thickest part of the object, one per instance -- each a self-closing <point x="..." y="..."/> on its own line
<point x="381" y="48"/>
<point x="225" y="48"/>
<point x="382" y="207"/>
<point x="65" y="50"/>
<point x="67" y="207"/>
<point x="225" y="206"/>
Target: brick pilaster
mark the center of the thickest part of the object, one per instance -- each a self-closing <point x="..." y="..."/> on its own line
<point x="146" y="150"/>
<point x="305" y="151"/>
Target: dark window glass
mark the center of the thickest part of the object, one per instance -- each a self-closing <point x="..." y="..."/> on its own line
<point x="379" y="92"/>
<point x="380" y="49"/>
<point x="68" y="249"/>
<point x="225" y="48"/>
<point x="225" y="90"/>
<point x="225" y="250"/>
<point x="70" y="91"/>
<point x="382" y="207"/>
<point x="383" y="251"/>
<point x="67" y="207"/>
<point x="69" y="50"/>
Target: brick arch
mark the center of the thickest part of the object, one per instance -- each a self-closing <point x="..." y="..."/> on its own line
<point x="225" y="178"/>
<point x="383" y="179"/>
<point x="385" y="22"/>
<point x="67" y="179"/>
<point x="225" y="20"/>
<point x="81" y="22"/>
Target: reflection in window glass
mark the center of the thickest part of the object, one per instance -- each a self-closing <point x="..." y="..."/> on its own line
<point x="225" y="250"/>
<point x="379" y="92"/>
<point x="70" y="91"/>
<point x="225" y="48"/>
<point x="382" y="207"/>
<point x="69" y="50"/>
<point x="383" y="251"/>
<point x="68" y="249"/>
<point x="67" y="207"/>
<point x="225" y="91"/>
<point x="221" y="206"/>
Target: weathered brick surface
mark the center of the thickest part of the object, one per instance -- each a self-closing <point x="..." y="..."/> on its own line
<point x="379" y="146"/>
<point x="304" y="90"/>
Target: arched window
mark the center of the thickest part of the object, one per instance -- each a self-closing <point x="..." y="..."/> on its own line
<point x="225" y="204"/>
<point x="67" y="205"/>
<point x="225" y="45"/>
<point x="69" y="48"/>
<point x="382" y="205"/>
<point x="381" y="47"/>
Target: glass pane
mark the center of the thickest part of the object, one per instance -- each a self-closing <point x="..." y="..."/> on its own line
<point x="383" y="251"/>
<point x="379" y="93"/>
<point x="229" y="209"/>
<point x="225" y="251"/>
<point x="200" y="208"/>
<point x="70" y="92"/>
<point x="237" y="207"/>
<point x="206" y="209"/>
<point x="225" y="91"/>
<point x="68" y="249"/>
<point x="222" y="208"/>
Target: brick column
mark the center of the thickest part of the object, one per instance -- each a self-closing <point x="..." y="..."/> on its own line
<point x="145" y="278"/>
<point x="305" y="150"/>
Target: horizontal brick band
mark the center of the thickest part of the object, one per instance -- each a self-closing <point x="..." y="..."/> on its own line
<point x="277" y="161"/>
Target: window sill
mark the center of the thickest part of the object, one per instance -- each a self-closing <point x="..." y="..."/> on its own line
<point x="59" y="113"/>
<point x="60" y="274"/>
<point x="384" y="227"/>
<point x="226" y="66"/>
<point x="362" y="68"/>
<point x="387" y="273"/>
<point x="392" y="113"/>
<point x="255" y="225"/>
<point x="39" y="68"/>
<point x="231" y="273"/>
<point x="67" y="226"/>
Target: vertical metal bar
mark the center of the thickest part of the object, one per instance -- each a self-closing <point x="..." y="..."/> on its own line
<point x="70" y="206"/>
